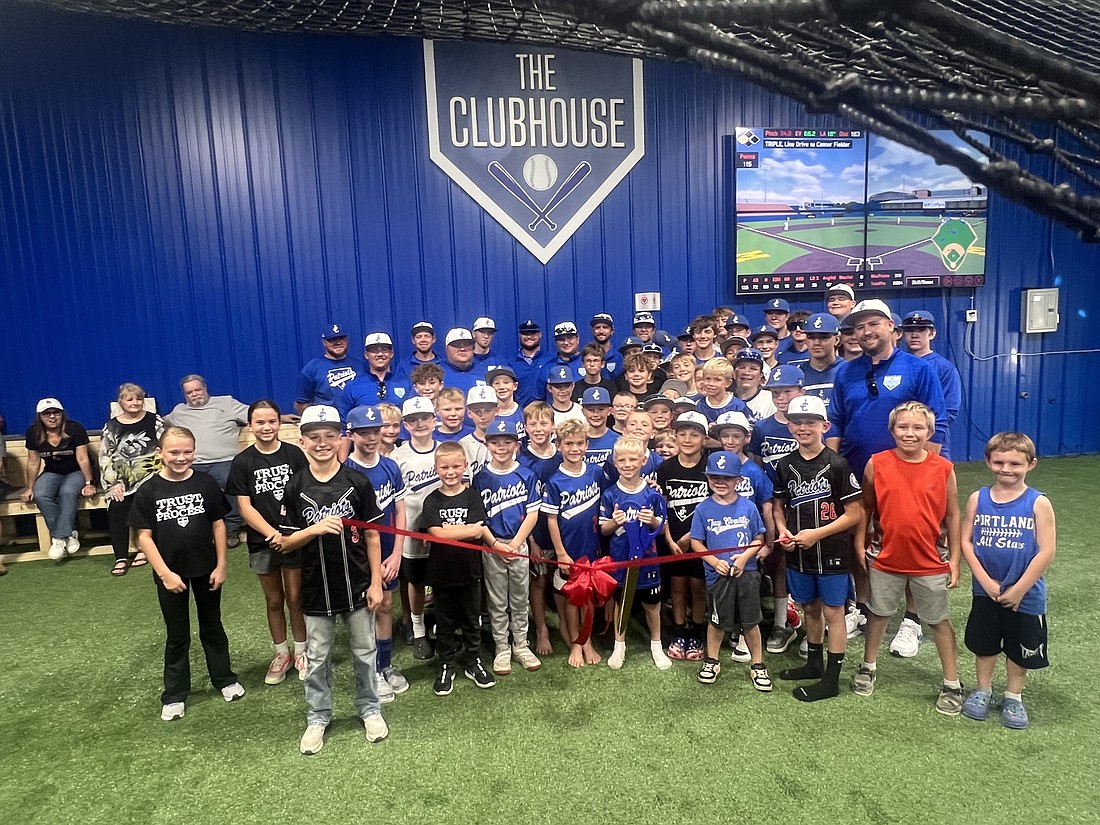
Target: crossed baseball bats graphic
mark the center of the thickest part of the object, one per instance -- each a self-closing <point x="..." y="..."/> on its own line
<point x="541" y="213"/>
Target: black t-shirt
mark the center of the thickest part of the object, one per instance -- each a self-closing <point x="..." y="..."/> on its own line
<point x="813" y="494"/>
<point x="181" y="516"/>
<point x="335" y="568"/>
<point x="452" y="566"/>
<point x="62" y="458"/>
<point x="683" y="489"/>
<point x="263" y="478"/>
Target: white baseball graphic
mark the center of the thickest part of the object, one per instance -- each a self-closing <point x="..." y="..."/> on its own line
<point x="540" y="172"/>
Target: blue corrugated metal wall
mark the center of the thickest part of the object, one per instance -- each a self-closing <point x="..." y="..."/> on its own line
<point x="176" y="200"/>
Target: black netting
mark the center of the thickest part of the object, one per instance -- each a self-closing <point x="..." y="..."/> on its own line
<point x="1026" y="73"/>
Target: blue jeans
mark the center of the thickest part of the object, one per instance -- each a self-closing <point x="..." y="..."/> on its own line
<point x="319" y="633"/>
<point x="219" y="470"/>
<point x="57" y="497"/>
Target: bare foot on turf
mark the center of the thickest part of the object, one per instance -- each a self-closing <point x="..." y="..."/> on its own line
<point x="576" y="656"/>
<point x="590" y="654"/>
<point x="542" y="641"/>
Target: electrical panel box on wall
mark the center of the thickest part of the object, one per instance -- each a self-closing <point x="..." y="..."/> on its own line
<point x="1039" y="310"/>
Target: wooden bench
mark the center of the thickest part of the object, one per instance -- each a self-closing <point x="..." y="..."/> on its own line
<point x="28" y="548"/>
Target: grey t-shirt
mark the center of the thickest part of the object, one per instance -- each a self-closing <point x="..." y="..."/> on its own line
<point x="216" y="426"/>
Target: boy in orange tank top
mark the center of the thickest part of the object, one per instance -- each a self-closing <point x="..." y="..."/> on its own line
<point x="911" y="535"/>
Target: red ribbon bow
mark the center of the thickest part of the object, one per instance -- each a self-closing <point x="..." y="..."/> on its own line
<point x="589" y="585"/>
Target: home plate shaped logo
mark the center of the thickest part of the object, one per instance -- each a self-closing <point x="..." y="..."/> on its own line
<point x="537" y="136"/>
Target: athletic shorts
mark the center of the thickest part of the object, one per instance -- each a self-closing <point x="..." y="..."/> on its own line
<point x="539" y="568"/>
<point x="645" y="595"/>
<point x="993" y="628"/>
<point x="415" y="571"/>
<point x="830" y="588"/>
<point x="558" y="580"/>
<point x="265" y="560"/>
<point x="929" y="593"/>
<point x="393" y="585"/>
<point x="733" y="604"/>
<point x="689" y="564"/>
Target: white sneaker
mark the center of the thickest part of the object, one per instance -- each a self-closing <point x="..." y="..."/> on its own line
<point x="57" y="550"/>
<point x="300" y="665"/>
<point x="395" y="679"/>
<point x="502" y="662"/>
<point x="527" y="660"/>
<point x="741" y="651"/>
<point x="172" y="711"/>
<point x="617" y="657"/>
<point x="804" y="648"/>
<point x="233" y="692"/>
<point x="907" y="641"/>
<point x="375" y="728"/>
<point x="312" y="740"/>
<point x="72" y="544"/>
<point x="383" y="689"/>
<point x="854" y="622"/>
<point x="660" y="658"/>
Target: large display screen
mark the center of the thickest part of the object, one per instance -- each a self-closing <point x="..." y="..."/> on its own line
<point x="821" y="206"/>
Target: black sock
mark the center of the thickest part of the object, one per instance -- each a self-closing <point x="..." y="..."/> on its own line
<point x="813" y="669"/>
<point x="681" y="630"/>
<point x="829" y="685"/>
<point x="913" y="617"/>
<point x="695" y="630"/>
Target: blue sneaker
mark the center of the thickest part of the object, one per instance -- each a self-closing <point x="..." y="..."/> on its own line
<point x="977" y="704"/>
<point x="1013" y="714"/>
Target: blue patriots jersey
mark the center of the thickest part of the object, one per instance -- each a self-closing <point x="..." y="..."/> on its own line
<point x="508" y="496"/>
<point x="389" y="488"/>
<point x="771" y="441"/>
<point x="634" y="540"/>
<point x="732" y="404"/>
<point x="599" y="449"/>
<point x="575" y="500"/>
<point x="649" y="468"/>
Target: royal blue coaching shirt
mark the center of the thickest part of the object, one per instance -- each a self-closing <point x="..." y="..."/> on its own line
<point x="861" y="419"/>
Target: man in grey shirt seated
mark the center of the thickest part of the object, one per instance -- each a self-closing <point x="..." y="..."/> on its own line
<point x="216" y="422"/>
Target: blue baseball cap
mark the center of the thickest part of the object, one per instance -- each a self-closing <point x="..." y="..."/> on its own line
<point x="785" y="375"/>
<point x="363" y="417"/>
<point x="685" y="334"/>
<point x="762" y="330"/>
<point x="737" y="321"/>
<point x="560" y="374"/>
<point x="654" y="348"/>
<point x="494" y="372"/>
<point x="529" y="326"/>
<point x="630" y="343"/>
<point x="595" y="396"/>
<point x="821" y="324"/>
<point x="918" y="319"/>
<point x="502" y="428"/>
<point x="724" y="463"/>
<point x="664" y="339"/>
<point x="896" y="319"/>
<point x="748" y="354"/>
<point x="777" y="305"/>
<point x="334" y="331"/>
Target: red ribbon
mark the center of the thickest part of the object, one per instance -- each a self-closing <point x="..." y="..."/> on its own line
<point x="590" y="584"/>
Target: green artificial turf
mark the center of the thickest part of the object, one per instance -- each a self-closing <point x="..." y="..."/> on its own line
<point x="84" y="743"/>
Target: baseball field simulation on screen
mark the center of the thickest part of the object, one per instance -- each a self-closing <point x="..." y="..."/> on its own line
<point x="821" y="206"/>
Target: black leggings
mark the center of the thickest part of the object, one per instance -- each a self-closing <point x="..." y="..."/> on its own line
<point x="118" y="526"/>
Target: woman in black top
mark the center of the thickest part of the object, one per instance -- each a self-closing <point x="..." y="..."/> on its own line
<point x="58" y="448"/>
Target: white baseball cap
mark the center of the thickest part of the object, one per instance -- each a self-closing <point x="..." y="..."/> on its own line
<point x="691" y="419"/>
<point x="459" y="334"/>
<point x="484" y="323"/>
<point x="481" y="394"/>
<point x="865" y="309"/>
<point x="733" y="418"/>
<point x="378" y="339"/>
<point x="48" y="404"/>
<point x="320" y="415"/>
<point x="417" y="406"/>
<point x="808" y="405"/>
<point x="841" y="289"/>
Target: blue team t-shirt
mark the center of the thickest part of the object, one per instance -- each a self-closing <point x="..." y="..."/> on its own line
<point x="633" y="539"/>
<point x="389" y="488"/>
<point x="721" y="526"/>
<point x="508" y="495"/>
<point x="322" y="380"/>
<point x="599" y="449"/>
<point x="1005" y="544"/>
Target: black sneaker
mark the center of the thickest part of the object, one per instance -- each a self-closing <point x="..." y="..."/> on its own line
<point x="446" y="681"/>
<point x="480" y="676"/>
<point x="422" y="648"/>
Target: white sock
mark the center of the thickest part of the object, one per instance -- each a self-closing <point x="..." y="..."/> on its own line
<point x="871" y="666"/>
<point x="779" y="617"/>
<point x="1019" y="697"/>
<point x="655" y="646"/>
<point x="300" y="647"/>
<point x="282" y="649"/>
<point x="954" y="684"/>
<point x="418" y="625"/>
